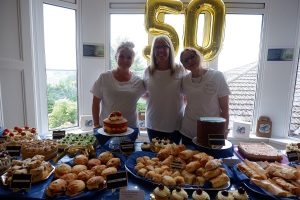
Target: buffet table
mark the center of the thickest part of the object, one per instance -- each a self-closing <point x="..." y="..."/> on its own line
<point x="37" y="190"/>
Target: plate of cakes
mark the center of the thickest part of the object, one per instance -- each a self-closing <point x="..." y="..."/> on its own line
<point x="273" y="179"/>
<point x="83" y="177"/>
<point x="177" y="166"/>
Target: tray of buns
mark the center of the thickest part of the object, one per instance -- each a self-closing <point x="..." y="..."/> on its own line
<point x="277" y="180"/>
<point x="84" y="177"/>
<point x="184" y="169"/>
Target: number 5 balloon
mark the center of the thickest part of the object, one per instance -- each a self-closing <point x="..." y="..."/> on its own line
<point x="214" y="11"/>
<point x="156" y="26"/>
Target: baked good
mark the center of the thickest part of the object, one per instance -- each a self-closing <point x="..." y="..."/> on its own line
<point x="93" y="162"/>
<point x="21" y="132"/>
<point x="57" y="187"/>
<point x="75" y="187"/>
<point x="85" y="175"/>
<point x="47" y="148"/>
<point x="108" y="171"/>
<point x="179" y="194"/>
<point x="69" y="177"/>
<point x="104" y="157"/>
<point x="81" y="160"/>
<point x="219" y="180"/>
<point x="115" y="123"/>
<point x="146" y="146"/>
<point x="240" y="194"/>
<point x="98" y="169"/>
<point x="259" y="151"/>
<point x="113" y="162"/>
<point x="96" y="182"/>
<point x="78" y="168"/>
<point x="5" y="161"/>
<point x="224" y="195"/>
<point x="271" y="187"/>
<point x="200" y="195"/>
<point x="61" y="170"/>
<point x="161" y="193"/>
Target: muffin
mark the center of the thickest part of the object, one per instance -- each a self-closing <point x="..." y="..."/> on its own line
<point x="161" y="193"/>
<point x="179" y="194"/>
<point x="224" y="195"/>
<point x="200" y="195"/>
<point x="240" y="194"/>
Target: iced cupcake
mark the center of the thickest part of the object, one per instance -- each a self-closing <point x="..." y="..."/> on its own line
<point x="224" y="195"/>
<point x="179" y="194"/>
<point x="240" y="194"/>
<point x="200" y="195"/>
<point x="161" y="193"/>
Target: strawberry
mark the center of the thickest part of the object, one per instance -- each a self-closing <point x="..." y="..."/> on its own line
<point x="33" y="130"/>
<point x="118" y="113"/>
<point x="26" y="127"/>
<point x="11" y="135"/>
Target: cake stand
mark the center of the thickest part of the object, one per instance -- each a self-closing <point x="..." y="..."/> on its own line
<point x="220" y="152"/>
<point x="116" y="139"/>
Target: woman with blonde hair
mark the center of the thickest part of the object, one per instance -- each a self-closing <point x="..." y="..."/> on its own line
<point x="206" y="92"/>
<point x="118" y="90"/>
<point x="164" y="101"/>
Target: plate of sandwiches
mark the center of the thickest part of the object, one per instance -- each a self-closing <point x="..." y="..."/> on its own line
<point x="83" y="177"/>
<point x="189" y="169"/>
<point x="275" y="179"/>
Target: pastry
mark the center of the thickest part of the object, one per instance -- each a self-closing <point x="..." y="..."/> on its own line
<point x="75" y="187"/>
<point x="161" y="193"/>
<point x="224" y="195"/>
<point x="96" y="182"/>
<point x="240" y="194"/>
<point x="168" y="181"/>
<point x="114" y="162"/>
<point x="93" y="162"/>
<point x="212" y="174"/>
<point x="248" y="171"/>
<point x="98" y="169"/>
<point x="179" y="194"/>
<point x="271" y="187"/>
<point x="287" y="185"/>
<point x="5" y="161"/>
<point x="85" y="175"/>
<point x="47" y="148"/>
<point x="69" y="177"/>
<point x="78" y="168"/>
<point x="219" y="180"/>
<point x="213" y="164"/>
<point x="115" y="123"/>
<point x="192" y="166"/>
<point x="200" y="195"/>
<point x="105" y="156"/>
<point x="62" y="169"/>
<point x="59" y="186"/>
<point x="108" y="171"/>
<point x="81" y="160"/>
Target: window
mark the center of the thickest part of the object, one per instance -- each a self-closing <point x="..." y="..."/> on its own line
<point x="295" y="116"/>
<point x="57" y="72"/>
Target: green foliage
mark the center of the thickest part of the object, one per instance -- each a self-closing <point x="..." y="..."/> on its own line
<point x="141" y="105"/>
<point x="63" y="114"/>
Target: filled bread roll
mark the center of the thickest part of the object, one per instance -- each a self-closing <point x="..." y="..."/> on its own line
<point x="93" y="162"/>
<point x="57" y="187"/>
<point x="75" y="187"/>
<point x="105" y="156"/>
<point x="96" y="182"/>
<point x="62" y="169"/>
<point x="98" y="169"/>
<point x="78" y="168"/>
<point x="113" y="162"/>
<point x="81" y="160"/>
<point x="85" y="175"/>
<point x="108" y="171"/>
<point x="69" y="177"/>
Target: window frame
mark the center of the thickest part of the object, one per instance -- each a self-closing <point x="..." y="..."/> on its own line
<point x="40" y="62"/>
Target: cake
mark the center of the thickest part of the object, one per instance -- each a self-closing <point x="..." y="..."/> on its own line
<point x="240" y="194"/>
<point x="224" y="195"/>
<point x="25" y="132"/>
<point x="161" y="193"/>
<point x="5" y="161"/>
<point x="210" y="131"/>
<point x="179" y="194"/>
<point x="47" y="148"/>
<point x="200" y="195"/>
<point x="259" y="152"/>
<point x="115" y="123"/>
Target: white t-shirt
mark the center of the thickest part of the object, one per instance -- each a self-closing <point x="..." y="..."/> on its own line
<point x="118" y="96"/>
<point x="165" y="100"/>
<point x="202" y="99"/>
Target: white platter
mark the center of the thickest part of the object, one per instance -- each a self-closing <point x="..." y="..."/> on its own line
<point x="227" y="145"/>
<point x="128" y="132"/>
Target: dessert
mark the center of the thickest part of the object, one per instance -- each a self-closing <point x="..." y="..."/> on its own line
<point x="115" y="123"/>
<point x="20" y="132"/>
<point x="57" y="187"/>
<point x="161" y="193"/>
<point x="146" y="146"/>
<point x="179" y="194"/>
<point x="259" y="152"/>
<point x="81" y="160"/>
<point x="224" y="195"/>
<point x="47" y="148"/>
<point x="5" y="161"/>
<point x="62" y="170"/>
<point x="200" y="195"/>
<point x="96" y="182"/>
<point x="240" y="194"/>
<point x="75" y="187"/>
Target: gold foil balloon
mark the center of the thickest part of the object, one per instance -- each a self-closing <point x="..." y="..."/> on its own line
<point x="214" y="26"/>
<point x="154" y="20"/>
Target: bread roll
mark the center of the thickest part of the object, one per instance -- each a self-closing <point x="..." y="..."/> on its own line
<point x="62" y="169"/>
<point x="81" y="160"/>
<point x="69" y="177"/>
<point x="108" y="171"/>
<point x="96" y="182"/>
<point x="98" y="169"/>
<point x="105" y="156"/>
<point x="93" y="162"/>
<point x="113" y="162"/>
<point x="78" y="168"/>
<point x="59" y="186"/>
<point x="85" y="175"/>
<point x="75" y="187"/>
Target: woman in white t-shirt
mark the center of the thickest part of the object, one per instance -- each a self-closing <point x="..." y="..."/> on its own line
<point x="118" y="90"/>
<point x="164" y="99"/>
<point x="206" y="93"/>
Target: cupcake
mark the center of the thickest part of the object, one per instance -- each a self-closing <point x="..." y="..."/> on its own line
<point x="179" y="194"/>
<point x="240" y="194"/>
<point x="200" y="195"/>
<point x="161" y="193"/>
<point x="224" y="195"/>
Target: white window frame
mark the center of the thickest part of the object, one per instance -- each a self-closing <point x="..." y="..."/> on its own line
<point x="40" y="62"/>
